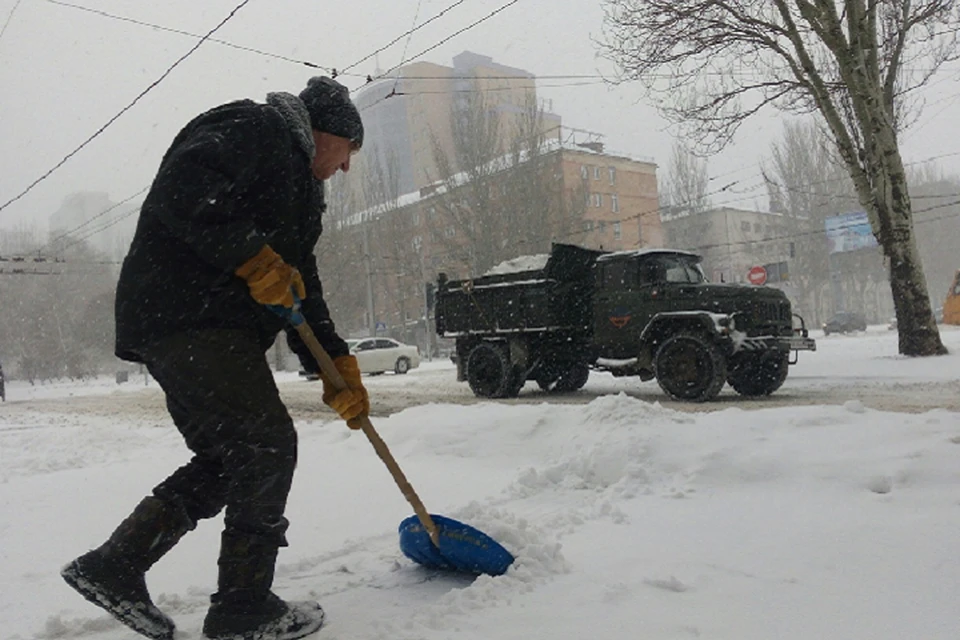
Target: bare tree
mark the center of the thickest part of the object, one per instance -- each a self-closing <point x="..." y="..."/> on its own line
<point x="473" y="229"/>
<point x="539" y="209"/>
<point x="340" y="253"/>
<point x="807" y="183"/>
<point x="855" y="62"/>
<point x="936" y="217"/>
<point x="503" y="191"/>
<point x="685" y="189"/>
<point x="395" y="261"/>
<point x="56" y="319"/>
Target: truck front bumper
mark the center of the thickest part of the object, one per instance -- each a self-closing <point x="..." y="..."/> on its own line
<point x="798" y="343"/>
<point x="773" y="343"/>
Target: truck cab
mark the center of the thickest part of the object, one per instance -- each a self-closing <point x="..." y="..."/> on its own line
<point x="657" y="316"/>
<point x="631" y="288"/>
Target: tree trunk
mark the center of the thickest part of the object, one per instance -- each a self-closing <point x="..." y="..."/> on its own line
<point x="916" y="326"/>
<point x="893" y="227"/>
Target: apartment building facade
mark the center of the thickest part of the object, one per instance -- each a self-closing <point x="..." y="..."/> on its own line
<point x="407" y="116"/>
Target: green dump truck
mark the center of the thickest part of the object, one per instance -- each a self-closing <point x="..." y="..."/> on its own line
<point x="648" y="313"/>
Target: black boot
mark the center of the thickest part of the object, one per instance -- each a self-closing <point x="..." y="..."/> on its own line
<point x="244" y="608"/>
<point x="112" y="575"/>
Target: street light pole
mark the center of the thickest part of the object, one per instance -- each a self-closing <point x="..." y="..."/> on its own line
<point x="366" y="264"/>
<point x="428" y="334"/>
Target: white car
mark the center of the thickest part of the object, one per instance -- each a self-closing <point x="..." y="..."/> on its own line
<point x="376" y="355"/>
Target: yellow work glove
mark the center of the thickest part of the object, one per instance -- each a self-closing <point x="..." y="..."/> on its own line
<point x="353" y="402"/>
<point x="271" y="280"/>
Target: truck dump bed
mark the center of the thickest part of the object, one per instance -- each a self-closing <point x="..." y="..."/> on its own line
<point x="555" y="298"/>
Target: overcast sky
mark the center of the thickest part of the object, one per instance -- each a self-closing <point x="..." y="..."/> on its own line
<point x="65" y="72"/>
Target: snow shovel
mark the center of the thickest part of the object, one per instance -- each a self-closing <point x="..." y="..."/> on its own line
<point x="430" y="540"/>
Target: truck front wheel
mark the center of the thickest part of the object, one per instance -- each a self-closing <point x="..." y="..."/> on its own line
<point x="690" y="366"/>
<point x="490" y="373"/>
<point x="760" y="377"/>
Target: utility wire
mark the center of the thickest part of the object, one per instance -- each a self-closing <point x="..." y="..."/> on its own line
<point x="72" y="231"/>
<point x="393" y="93"/>
<point x="158" y="27"/>
<point x="448" y="38"/>
<point x="331" y="70"/>
<point x="103" y="227"/>
<point x="416" y="15"/>
<point x="6" y="23"/>
<point x="406" y="34"/>
<point x="149" y="88"/>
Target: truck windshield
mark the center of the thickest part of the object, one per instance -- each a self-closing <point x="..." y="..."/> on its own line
<point x="683" y="270"/>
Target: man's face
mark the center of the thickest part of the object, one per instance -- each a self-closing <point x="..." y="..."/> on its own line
<point x="333" y="153"/>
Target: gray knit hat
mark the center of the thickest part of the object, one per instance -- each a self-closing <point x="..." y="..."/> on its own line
<point x="331" y="110"/>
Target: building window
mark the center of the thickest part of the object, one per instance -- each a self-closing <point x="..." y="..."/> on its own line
<point x="598" y="199"/>
<point x="757" y="228"/>
<point x="614" y="203"/>
<point x="449" y="232"/>
<point x="613" y="174"/>
<point x="416" y="218"/>
<point x="616" y="230"/>
<point x="602" y="225"/>
<point x="583" y="171"/>
<point x="596" y="173"/>
<point x="588" y="225"/>
<point x="745" y="226"/>
<point x="417" y="243"/>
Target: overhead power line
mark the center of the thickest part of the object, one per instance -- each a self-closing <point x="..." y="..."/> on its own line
<point x="406" y="45"/>
<point x="102" y="227"/>
<point x="6" y="23"/>
<point x="269" y="54"/>
<point x="71" y="232"/>
<point x="181" y="32"/>
<point x="149" y="88"/>
<point x="448" y="38"/>
<point x="403" y="35"/>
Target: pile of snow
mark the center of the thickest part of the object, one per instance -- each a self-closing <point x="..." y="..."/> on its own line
<point x="520" y="264"/>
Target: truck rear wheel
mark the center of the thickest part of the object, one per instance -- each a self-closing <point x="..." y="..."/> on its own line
<point x="490" y="373"/>
<point x="758" y="376"/>
<point x="571" y="380"/>
<point x="689" y="366"/>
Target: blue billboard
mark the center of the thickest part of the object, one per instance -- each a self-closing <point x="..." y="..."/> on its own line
<point x="849" y="232"/>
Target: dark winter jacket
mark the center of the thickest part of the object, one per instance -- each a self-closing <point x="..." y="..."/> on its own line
<point x="234" y="179"/>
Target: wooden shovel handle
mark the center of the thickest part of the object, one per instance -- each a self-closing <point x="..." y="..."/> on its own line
<point x="330" y="372"/>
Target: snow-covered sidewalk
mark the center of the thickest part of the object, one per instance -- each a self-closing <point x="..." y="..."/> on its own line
<point x="629" y="520"/>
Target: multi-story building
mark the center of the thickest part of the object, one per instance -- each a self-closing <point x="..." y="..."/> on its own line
<point x="620" y="198"/>
<point x="732" y="241"/>
<point x="407" y="116"/>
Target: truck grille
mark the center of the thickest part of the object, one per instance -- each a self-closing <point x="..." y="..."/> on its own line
<point x="771" y="313"/>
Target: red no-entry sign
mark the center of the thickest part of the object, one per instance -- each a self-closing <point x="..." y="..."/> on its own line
<point x="757" y="275"/>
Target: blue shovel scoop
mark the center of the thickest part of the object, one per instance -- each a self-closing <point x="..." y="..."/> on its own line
<point x="430" y="540"/>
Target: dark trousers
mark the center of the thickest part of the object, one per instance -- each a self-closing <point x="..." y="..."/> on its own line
<point x="223" y="399"/>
